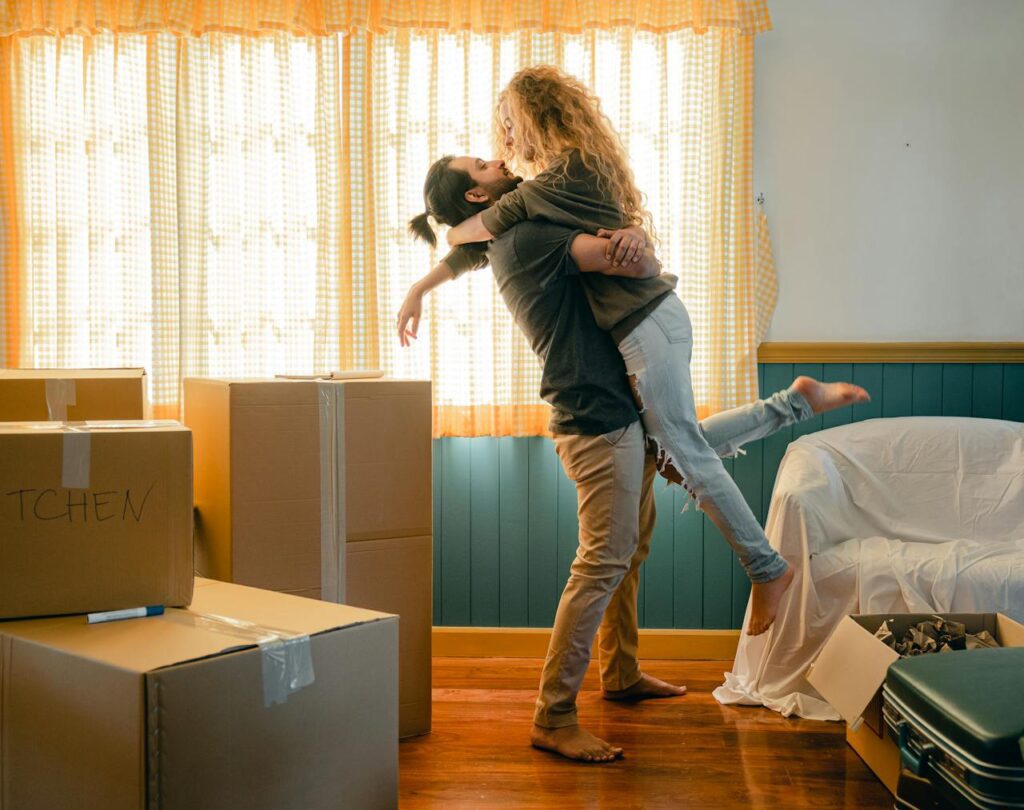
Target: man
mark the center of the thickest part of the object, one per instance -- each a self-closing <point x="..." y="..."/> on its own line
<point x="598" y="436"/>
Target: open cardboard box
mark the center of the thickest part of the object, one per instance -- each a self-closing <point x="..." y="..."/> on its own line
<point x="851" y="668"/>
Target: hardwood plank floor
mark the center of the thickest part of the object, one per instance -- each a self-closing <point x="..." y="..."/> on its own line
<point x="682" y="753"/>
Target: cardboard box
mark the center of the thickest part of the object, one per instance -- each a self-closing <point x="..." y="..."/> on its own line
<point x="257" y="482"/>
<point x="850" y="670"/>
<point x="94" y="517"/>
<point x="72" y="394"/>
<point x="377" y="502"/>
<point x="292" y="476"/>
<point x="185" y="711"/>
<point x="394" y="575"/>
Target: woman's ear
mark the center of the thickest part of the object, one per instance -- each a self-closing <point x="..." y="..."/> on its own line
<point x="477" y="195"/>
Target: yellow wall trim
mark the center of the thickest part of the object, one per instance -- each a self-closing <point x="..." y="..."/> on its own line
<point x="890" y="352"/>
<point x="528" y="642"/>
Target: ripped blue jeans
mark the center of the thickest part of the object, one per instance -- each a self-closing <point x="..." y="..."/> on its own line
<point x="687" y="451"/>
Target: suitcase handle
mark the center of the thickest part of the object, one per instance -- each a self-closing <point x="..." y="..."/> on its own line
<point x="917" y="764"/>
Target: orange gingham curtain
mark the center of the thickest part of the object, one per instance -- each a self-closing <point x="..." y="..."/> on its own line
<point x="236" y="205"/>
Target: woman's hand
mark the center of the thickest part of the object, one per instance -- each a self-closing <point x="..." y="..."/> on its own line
<point x="410" y="312"/>
<point x="625" y="244"/>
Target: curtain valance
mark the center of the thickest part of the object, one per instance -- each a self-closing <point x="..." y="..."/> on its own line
<point x="323" y="17"/>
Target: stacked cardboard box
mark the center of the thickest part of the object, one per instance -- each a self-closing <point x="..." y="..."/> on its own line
<point x="246" y="699"/>
<point x="38" y="394"/>
<point x="850" y="670"/>
<point x="94" y="518"/>
<point x="322" y="489"/>
<point x="249" y="699"/>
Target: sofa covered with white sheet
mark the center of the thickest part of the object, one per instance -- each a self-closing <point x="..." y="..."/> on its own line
<point x="913" y="514"/>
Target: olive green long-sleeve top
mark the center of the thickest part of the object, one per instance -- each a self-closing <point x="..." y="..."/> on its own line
<point x="574" y="199"/>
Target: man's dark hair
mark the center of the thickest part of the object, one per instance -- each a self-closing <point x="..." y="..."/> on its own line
<point x="444" y="197"/>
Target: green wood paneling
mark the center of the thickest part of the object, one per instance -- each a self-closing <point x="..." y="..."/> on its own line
<point x="987" y="396"/>
<point x="514" y="511"/>
<point x="957" y="389"/>
<point x="897" y="389"/>
<point x="660" y="566"/>
<point x="456" y="537"/>
<point x="505" y="522"/>
<point x="485" y="568"/>
<point x="688" y="557"/>
<point x="437" y="459"/>
<point x="543" y="586"/>
<point x="1013" y="392"/>
<point x="926" y="396"/>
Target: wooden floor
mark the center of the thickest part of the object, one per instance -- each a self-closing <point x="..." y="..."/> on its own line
<point x="687" y="752"/>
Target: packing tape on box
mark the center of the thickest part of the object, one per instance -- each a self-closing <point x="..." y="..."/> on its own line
<point x="74" y="471"/>
<point x="286" y="656"/>
<point x="59" y="394"/>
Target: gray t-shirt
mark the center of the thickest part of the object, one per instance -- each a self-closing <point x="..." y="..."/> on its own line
<point x="584" y="376"/>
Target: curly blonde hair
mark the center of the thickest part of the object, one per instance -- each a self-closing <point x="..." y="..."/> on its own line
<point x="553" y="112"/>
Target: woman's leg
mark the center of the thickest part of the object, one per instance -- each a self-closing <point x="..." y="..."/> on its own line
<point x="657" y="356"/>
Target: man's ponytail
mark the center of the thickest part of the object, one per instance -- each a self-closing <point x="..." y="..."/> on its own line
<point x="420" y="228"/>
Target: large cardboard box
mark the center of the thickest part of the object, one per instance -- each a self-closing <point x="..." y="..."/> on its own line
<point x="292" y="477"/>
<point x="850" y="670"/>
<point x="250" y="699"/>
<point x="257" y="482"/>
<point x="94" y="516"/>
<point x="62" y="394"/>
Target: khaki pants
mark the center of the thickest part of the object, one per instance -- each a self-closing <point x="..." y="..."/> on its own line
<point x="614" y="478"/>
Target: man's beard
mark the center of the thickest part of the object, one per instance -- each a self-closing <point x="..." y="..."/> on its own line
<point x="501" y="187"/>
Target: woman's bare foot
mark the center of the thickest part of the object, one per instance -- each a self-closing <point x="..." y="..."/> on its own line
<point x="829" y="396"/>
<point x="765" y="598"/>
<point x="574" y="742"/>
<point x="644" y="689"/>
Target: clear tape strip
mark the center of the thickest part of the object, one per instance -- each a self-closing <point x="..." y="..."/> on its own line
<point x="59" y="394"/>
<point x="77" y="454"/>
<point x="286" y="656"/>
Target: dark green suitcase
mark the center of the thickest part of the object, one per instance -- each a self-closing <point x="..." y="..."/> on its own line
<point x="959" y="720"/>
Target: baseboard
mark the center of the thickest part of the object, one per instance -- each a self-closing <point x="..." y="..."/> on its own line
<point x="529" y="642"/>
<point x="915" y="352"/>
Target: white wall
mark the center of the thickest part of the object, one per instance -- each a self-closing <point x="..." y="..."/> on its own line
<point x="889" y="146"/>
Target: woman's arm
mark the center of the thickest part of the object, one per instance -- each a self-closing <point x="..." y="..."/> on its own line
<point x="469" y="230"/>
<point x="591" y="254"/>
<point x="413" y="304"/>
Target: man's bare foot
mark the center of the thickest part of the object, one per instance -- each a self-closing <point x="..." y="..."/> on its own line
<point x="574" y="742"/>
<point x="644" y="689"/>
<point x="828" y="396"/>
<point x="765" y="597"/>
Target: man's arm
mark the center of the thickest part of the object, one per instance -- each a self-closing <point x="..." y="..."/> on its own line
<point x="469" y="230"/>
<point x="591" y="256"/>
<point x="409" y="314"/>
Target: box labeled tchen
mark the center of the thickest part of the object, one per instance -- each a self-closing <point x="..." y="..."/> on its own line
<point x="249" y="699"/>
<point x="95" y="516"/>
<point x="850" y="670"/>
<point x="72" y="394"/>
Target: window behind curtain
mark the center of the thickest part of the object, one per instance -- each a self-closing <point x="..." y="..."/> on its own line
<point x="230" y="205"/>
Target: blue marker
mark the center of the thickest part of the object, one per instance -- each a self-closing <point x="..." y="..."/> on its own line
<point x="127" y="613"/>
